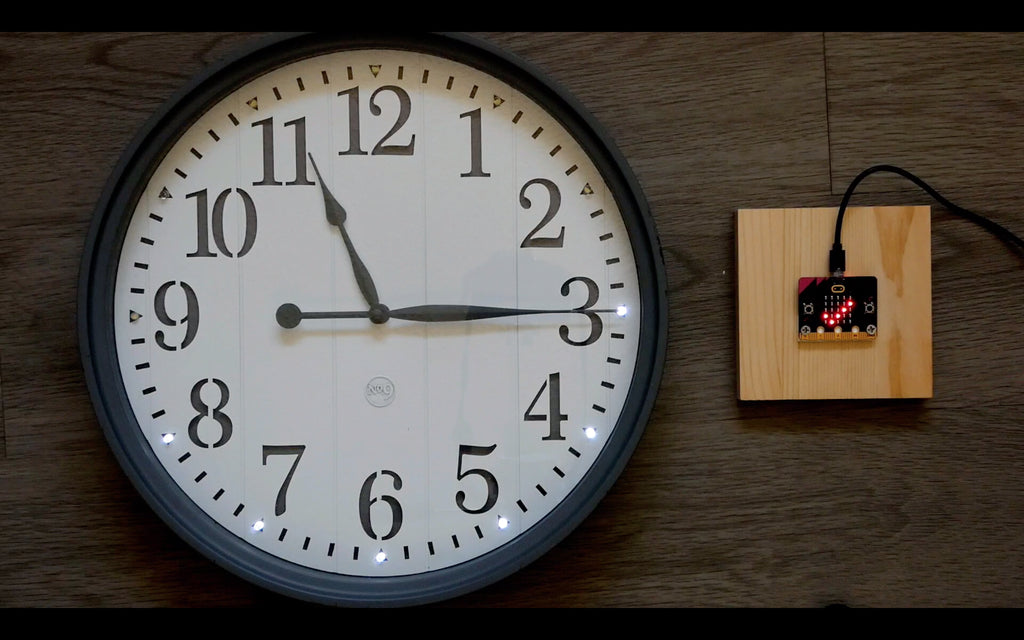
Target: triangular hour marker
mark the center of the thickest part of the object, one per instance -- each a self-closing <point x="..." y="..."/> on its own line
<point x="374" y="69"/>
<point x="133" y="316"/>
<point x="587" y="190"/>
<point x="498" y="101"/>
<point x="254" y="104"/>
<point x="165" y="194"/>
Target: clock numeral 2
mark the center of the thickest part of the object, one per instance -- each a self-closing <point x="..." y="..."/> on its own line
<point x="381" y="149"/>
<point x="554" y="202"/>
<point x="283" y="450"/>
<point x="190" y="319"/>
<point x="203" y="227"/>
<point x="365" y="502"/>
<point x="554" y="417"/>
<point x="301" y="178"/>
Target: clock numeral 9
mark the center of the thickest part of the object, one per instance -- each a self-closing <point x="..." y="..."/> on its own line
<point x="596" y="326"/>
<point x="190" y="319"/>
<point x="488" y="477"/>
<point x="365" y="502"/>
<point x="381" y="149"/>
<point x="204" y="411"/>
<point x="283" y="450"/>
<point x="554" y="417"/>
<point x="301" y="178"/>
<point x="203" y="227"/>
<point x="554" y="202"/>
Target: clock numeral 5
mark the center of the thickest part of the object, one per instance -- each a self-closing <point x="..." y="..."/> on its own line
<point x="381" y="149"/>
<point x="301" y="178"/>
<point x="203" y="411"/>
<point x="554" y="417"/>
<point x="190" y="319"/>
<point x="365" y="502"/>
<point x="488" y="477"/>
<point x="283" y="450"/>
<point x="203" y="227"/>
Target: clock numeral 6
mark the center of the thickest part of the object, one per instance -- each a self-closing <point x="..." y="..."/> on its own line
<point x="204" y="411"/>
<point x="190" y="319"/>
<point x="203" y="227"/>
<point x="365" y="502"/>
<point x="488" y="477"/>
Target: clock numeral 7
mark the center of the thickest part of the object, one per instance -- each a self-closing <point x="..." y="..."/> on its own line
<point x="203" y="226"/>
<point x="365" y="502"/>
<point x="283" y="450"/>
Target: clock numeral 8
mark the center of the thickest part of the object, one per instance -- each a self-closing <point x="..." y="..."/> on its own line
<point x="205" y="411"/>
<point x="365" y="502"/>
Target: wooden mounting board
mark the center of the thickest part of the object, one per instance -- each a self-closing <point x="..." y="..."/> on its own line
<point x="776" y="247"/>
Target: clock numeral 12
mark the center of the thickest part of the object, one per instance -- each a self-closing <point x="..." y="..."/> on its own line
<point x="203" y="227"/>
<point x="380" y="149"/>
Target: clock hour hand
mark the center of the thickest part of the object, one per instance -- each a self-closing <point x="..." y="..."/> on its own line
<point x="289" y="315"/>
<point x="336" y="215"/>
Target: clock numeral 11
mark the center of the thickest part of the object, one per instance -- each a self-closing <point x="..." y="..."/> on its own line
<point x="301" y="178"/>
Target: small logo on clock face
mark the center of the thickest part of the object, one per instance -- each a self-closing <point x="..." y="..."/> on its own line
<point x="380" y="391"/>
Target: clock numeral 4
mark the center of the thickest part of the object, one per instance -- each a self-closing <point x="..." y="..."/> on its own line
<point x="203" y="410"/>
<point x="380" y="149"/>
<point x="366" y="501"/>
<point x="203" y="227"/>
<point x="283" y="450"/>
<point x="488" y="478"/>
<point x="554" y="417"/>
<point x="190" y="319"/>
<point x="301" y="178"/>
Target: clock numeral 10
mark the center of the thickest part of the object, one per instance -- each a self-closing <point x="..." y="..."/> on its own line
<point x="203" y="227"/>
<point x="554" y="417"/>
<point x="366" y="501"/>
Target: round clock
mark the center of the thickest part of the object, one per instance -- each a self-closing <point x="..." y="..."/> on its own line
<point x="372" y="319"/>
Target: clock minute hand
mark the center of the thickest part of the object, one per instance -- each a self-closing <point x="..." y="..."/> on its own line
<point x="289" y="315"/>
<point x="336" y="215"/>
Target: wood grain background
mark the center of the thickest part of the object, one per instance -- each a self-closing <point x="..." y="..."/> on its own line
<point x="804" y="504"/>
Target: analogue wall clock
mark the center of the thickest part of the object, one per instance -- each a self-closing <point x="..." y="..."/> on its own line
<point x="372" y="319"/>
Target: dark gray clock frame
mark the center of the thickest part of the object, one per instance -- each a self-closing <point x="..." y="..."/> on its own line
<point x="99" y="357"/>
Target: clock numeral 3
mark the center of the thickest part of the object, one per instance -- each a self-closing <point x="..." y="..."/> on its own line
<point x="365" y="502"/>
<point x="554" y="416"/>
<point x="205" y="411"/>
<point x="381" y="149"/>
<point x="203" y="227"/>
<point x="283" y="450"/>
<point x="268" y="152"/>
<point x="489" y="479"/>
<point x="596" y="326"/>
<point x="190" y="320"/>
<point x="554" y="202"/>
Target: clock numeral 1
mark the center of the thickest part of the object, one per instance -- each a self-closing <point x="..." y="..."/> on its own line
<point x="203" y="411"/>
<point x="301" y="178"/>
<point x="381" y="149"/>
<point x="365" y="502"/>
<point x="283" y="450"/>
<point x="554" y="417"/>
<point x="488" y="477"/>
<point x="203" y="229"/>
<point x="554" y="202"/>
<point x="190" y="319"/>
<point x="475" y="146"/>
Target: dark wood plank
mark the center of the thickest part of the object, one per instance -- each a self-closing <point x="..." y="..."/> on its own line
<point x="724" y="503"/>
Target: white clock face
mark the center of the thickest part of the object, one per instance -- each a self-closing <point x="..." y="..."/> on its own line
<point x="320" y="313"/>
